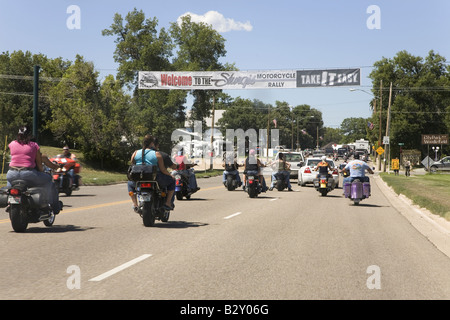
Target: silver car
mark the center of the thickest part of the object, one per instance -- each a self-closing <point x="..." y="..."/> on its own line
<point x="443" y="164"/>
<point x="294" y="159"/>
<point x="307" y="172"/>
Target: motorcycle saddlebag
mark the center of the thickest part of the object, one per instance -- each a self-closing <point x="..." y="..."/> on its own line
<point x="3" y="197"/>
<point x="139" y="172"/>
<point x="38" y="197"/>
<point x="316" y="183"/>
<point x="347" y="187"/>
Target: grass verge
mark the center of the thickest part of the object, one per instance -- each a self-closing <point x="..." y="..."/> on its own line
<point x="429" y="191"/>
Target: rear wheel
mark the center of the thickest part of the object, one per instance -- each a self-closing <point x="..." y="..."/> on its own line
<point x="148" y="214"/>
<point x="230" y="185"/>
<point x="324" y="192"/>
<point x="18" y="218"/>
<point x="179" y="195"/>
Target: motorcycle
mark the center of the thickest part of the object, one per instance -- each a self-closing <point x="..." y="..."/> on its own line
<point x="151" y="199"/>
<point x="280" y="183"/>
<point x="26" y="205"/>
<point x="252" y="185"/>
<point x="357" y="190"/>
<point x="182" y="185"/>
<point x="63" y="180"/>
<point x="231" y="182"/>
<point x="324" y="184"/>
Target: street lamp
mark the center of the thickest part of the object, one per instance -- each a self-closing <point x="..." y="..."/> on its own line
<point x="436" y="150"/>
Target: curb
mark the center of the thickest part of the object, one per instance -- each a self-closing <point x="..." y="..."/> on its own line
<point x="435" y="228"/>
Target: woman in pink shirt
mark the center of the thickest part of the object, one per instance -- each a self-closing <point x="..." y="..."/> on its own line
<point x="26" y="164"/>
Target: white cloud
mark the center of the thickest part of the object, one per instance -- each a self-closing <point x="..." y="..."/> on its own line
<point x="218" y="21"/>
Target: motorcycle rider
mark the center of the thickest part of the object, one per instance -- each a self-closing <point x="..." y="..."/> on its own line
<point x="282" y="167"/>
<point x="168" y="163"/>
<point x="231" y="166"/>
<point x="163" y="177"/>
<point x="183" y="168"/>
<point x="357" y="169"/>
<point x="254" y="166"/>
<point x="26" y="164"/>
<point x="71" y="172"/>
<point x="323" y="167"/>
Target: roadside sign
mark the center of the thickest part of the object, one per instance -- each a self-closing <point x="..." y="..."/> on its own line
<point x="401" y="144"/>
<point x="427" y="162"/>
<point x="380" y="151"/>
<point x="435" y="139"/>
<point x="386" y="140"/>
<point x="395" y="164"/>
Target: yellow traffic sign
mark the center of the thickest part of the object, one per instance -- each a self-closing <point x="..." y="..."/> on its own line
<point x="380" y="151"/>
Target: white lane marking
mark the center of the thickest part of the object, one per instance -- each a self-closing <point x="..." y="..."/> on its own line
<point x="120" y="268"/>
<point x="273" y="199"/>
<point x="233" y="215"/>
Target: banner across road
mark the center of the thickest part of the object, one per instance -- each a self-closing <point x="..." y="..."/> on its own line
<point x="232" y="80"/>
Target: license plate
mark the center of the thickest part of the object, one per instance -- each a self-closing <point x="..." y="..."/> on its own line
<point x="251" y="177"/>
<point x="146" y="197"/>
<point x="323" y="185"/>
<point x="13" y="200"/>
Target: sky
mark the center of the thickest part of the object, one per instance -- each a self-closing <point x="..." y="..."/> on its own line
<point x="259" y="34"/>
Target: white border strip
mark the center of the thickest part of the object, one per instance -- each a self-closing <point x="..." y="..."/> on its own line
<point x="120" y="268"/>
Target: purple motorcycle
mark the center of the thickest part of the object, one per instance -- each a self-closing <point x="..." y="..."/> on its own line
<point x="357" y="190"/>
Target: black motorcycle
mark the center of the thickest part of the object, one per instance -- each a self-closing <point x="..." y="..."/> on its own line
<point x="231" y="182"/>
<point x="252" y="185"/>
<point x="26" y="205"/>
<point x="151" y="199"/>
<point x="280" y="183"/>
<point x="182" y="185"/>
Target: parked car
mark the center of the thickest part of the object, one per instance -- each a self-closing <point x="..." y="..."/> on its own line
<point x="443" y="164"/>
<point x="294" y="158"/>
<point x="306" y="174"/>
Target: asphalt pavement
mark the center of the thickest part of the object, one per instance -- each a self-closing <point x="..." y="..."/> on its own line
<point x="222" y="245"/>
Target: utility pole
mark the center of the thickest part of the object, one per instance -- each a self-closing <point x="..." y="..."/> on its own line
<point x="379" y="133"/>
<point x="35" y="102"/>
<point x="211" y="166"/>
<point x="388" y="127"/>
<point x="268" y="129"/>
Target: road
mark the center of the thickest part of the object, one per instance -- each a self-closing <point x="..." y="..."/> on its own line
<point x="223" y="245"/>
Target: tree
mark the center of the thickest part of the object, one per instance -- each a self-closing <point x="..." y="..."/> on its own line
<point x="140" y="46"/>
<point x="420" y="98"/>
<point x="354" y="129"/>
<point x="95" y="117"/>
<point x="199" y="48"/>
<point x="16" y="91"/>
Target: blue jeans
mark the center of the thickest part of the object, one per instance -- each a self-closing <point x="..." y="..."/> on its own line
<point x="35" y="178"/>
<point x="192" y="181"/>
<point x="162" y="179"/>
<point x="234" y="172"/>
<point x="285" y="174"/>
<point x="350" y="179"/>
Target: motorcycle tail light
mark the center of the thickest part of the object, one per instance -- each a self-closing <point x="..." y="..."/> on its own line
<point x="14" y="192"/>
<point x="146" y="185"/>
<point x="323" y="181"/>
<point x="250" y="181"/>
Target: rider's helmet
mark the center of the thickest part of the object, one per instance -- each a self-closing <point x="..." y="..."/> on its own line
<point x="324" y="158"/>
